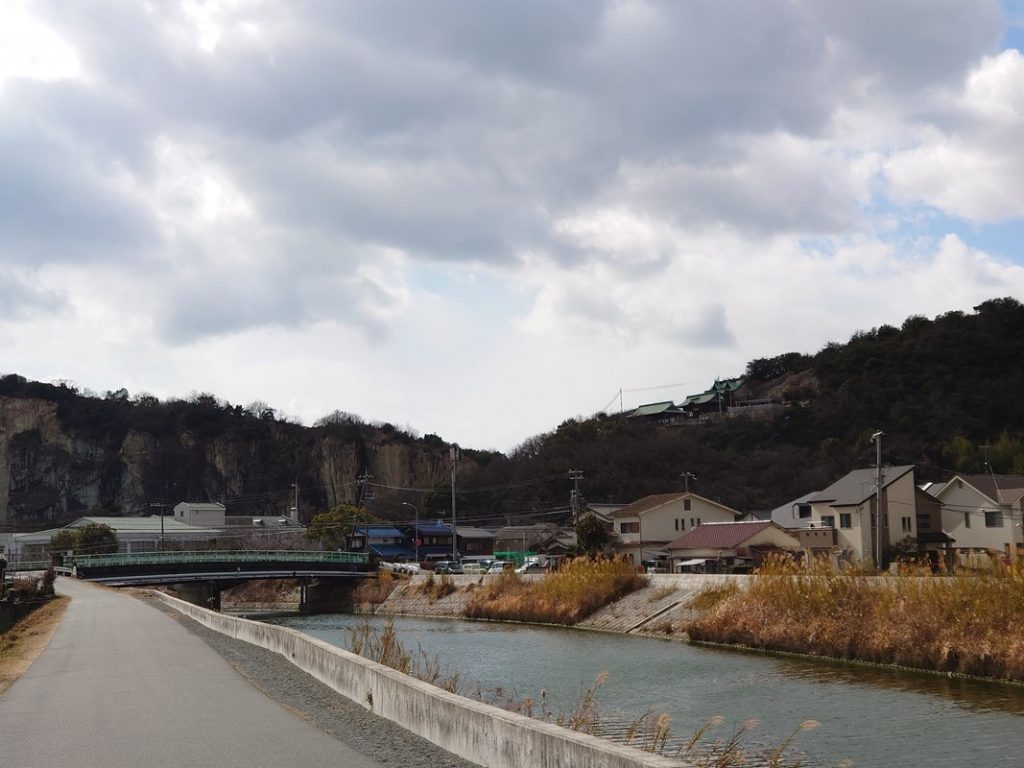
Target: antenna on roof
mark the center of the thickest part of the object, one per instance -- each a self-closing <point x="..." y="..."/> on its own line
<point x="999" y="493"/>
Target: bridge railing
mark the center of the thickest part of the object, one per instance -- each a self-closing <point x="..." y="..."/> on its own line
<point x="27" y="565"/>
<point x="216" y="556"/>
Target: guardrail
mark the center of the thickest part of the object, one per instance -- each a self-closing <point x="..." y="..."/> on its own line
<point x="28" y="565"/>
<point x="222" y="556"/>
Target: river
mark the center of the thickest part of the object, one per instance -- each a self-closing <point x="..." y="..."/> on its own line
<point x="876" y="718"/>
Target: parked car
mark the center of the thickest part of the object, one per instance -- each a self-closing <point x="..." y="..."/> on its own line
<point x="531" y="567"/>
<point x="473" y="568"/>
<point x="448" y="566"/>
<point x="500" y="566"/>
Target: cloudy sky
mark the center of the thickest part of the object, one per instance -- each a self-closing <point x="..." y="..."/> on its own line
<point x="483" y="218"/>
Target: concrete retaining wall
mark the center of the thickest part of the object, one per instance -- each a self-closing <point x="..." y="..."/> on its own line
<point x="472" y="730"/>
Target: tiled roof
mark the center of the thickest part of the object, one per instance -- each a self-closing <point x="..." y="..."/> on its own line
<point x="719" y="535"/>
<point x="858" y="486"/>
<point x="655" y="409"/>
<point x="380" y="531"/>
<point x="703" y="397"/>
<point x="469" y="532"/>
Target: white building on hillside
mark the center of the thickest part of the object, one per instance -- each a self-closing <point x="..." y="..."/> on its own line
<point x="205" y="513"/>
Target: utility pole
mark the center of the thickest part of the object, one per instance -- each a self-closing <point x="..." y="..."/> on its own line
<point x="574" y="497"/>
<point x="295" y="509"/>
<point x="687" y="477"/>
<point x="362" y="481"/>
<point x="453" y="454"/>
<point x="415" y="527"/>
<point x="877" y="440"/>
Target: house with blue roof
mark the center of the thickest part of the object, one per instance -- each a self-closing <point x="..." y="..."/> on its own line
<point x="384" y="542"/>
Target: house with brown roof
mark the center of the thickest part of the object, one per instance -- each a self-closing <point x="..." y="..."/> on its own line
<point x="642" y="529"/>
<point x="983" y="513"/>
<point x="728" y="547"/>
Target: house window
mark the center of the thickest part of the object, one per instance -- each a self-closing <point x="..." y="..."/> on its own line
<point x="828" y="520"/>
<point x="905" y="524"/>
<point x="845" y="520"/>
<point x="967" y="519"/>
<point x="993" y="519"/>
<point x="698" y="521"/>
<point x="691" y="523"/>
<point x="629" y="527"/>
<point x="924" y="521"/>
<point x="686" y="505"/>
<point x="801" y="511"/>
<point x="677" y="523"/>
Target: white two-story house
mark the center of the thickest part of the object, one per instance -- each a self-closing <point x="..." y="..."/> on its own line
<point x="983" y="513"/>
<point x="641" y="530"/>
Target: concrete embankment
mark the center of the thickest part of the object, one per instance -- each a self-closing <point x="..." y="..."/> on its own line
<point x="478" y="732"/>
<point x="658" y="609"/>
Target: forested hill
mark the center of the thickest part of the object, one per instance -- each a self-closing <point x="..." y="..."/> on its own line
<point x="940" y="389"/>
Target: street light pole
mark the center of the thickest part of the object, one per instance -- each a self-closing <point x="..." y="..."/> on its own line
<point x="415" y="528"/>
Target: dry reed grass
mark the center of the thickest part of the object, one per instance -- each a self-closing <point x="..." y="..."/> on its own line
<point x="376" y="590"/>
<point x="566" y="596"/>
<point x="385" y="647"/>
<point x="971" y="624"/>
<point x="437" y="587"/>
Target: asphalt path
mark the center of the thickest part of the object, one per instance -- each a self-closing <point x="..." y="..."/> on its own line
<point x="123" y="685"/>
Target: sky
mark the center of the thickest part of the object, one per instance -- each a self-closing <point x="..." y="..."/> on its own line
<point x="479" y="219"/>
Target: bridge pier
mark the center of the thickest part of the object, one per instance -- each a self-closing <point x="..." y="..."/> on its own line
<point x="202" y="593"/>
<point x="324" y="596"/>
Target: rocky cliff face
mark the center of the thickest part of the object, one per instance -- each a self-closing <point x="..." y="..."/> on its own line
<point x="52" y="472"/>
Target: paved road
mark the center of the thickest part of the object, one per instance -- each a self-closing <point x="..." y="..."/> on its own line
<point x="122" y="685"/>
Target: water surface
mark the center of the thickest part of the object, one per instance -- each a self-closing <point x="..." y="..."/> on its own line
<point x="876" y="718"/>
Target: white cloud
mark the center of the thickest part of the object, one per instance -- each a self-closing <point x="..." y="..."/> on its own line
<point x="972" y="168"/>
<point x="30" y="49"/>
<point x="419" y="212"/>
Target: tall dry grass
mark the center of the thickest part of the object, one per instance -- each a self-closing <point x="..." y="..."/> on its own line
<point x="566" y="596"/>
<point x="385" y="646"/>
<point x="375" y="590"/>
<point x="971" y="624"/>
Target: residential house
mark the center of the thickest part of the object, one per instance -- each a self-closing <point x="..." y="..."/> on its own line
<point x="474" y="542"/>
<point x="643" y="528"/>
<point x="795" y="513"/>
<point x="849" y="506"/>
<point x="729" y="546"/>
<point x="434" y="540"/>
<point x="560" y="543"/>
<point x="817" y="543"/>
<point x="983" y="513"/>
<point x="383" y="542"/>
<point x="523" y="538"/>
